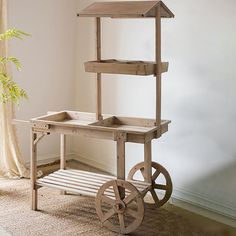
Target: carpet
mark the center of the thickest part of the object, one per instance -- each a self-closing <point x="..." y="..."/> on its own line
<point x="74" y="215"/>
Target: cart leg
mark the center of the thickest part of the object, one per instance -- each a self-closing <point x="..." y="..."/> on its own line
<point x="121" y="160"/>
<point x="63" y="155"/>
<point x="34" y="191"/>
<point x="148" y="162"/>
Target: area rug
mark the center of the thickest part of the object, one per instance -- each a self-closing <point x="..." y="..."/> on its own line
<point x="73" y="215"/>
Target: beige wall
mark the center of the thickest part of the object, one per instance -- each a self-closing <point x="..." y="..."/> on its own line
<point x="198" y="96"/>
<point x="198" y="91"/>
<point x="48" y="59"/>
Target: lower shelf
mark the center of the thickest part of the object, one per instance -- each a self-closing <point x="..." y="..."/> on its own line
<point x="83" y="182"/>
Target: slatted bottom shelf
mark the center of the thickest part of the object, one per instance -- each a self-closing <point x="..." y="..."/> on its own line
<point x="83" y="182"/>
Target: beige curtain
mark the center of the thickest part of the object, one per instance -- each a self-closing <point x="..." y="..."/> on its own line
<point x="11" y="162"/>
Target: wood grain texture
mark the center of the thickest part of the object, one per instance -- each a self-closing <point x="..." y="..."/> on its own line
<point x="33" y="171"/>
<point x="113" y="66"/>
<point x="127" y="9"/>
<point x="98" y="80"/>
<point x="158" y="65"/>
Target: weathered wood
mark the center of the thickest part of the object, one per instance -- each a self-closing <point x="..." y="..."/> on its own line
<point x="81" y="181"/>
<point x="98" y="80"/>
<point x="158" y="65"/>
<point x="155" y="186"/>
<point x="148" y="162"/>
<point x="124" y="67"/>
<point x="121" y="139"/>
<point x="121" y="207"/>
<point x="33" y="171"/>
<point x="63" y="155"/>
<point x="127" y="9"/>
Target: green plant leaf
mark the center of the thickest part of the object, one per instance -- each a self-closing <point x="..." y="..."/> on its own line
<point x="5" y="60"/>
<point x="13" y="33"/>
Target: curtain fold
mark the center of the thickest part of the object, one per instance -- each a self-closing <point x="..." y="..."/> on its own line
<point x="11" y="161"/>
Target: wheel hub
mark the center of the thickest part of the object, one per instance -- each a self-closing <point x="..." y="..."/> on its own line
<point x="119" y="206"/>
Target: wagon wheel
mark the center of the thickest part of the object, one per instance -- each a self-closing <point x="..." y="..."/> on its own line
<point x="120" y="214"/>
<point x="158" y="171"/>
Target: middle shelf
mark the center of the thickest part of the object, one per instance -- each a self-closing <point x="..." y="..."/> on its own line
<point x="112" y="66"/>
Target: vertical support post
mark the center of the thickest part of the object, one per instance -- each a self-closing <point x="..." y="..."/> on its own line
<point x="33" y="171"/>
<point x="121" y="139"/>
<point x="158" y="65"/>
<point x="63" y="152"/>
<point x="98" y="80"/>
<point x="63" y="155"/>
<point x="148" y="162"/>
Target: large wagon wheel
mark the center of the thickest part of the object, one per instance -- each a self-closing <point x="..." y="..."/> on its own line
<point x="158" y="172"/>
<point x="120" y="214"/>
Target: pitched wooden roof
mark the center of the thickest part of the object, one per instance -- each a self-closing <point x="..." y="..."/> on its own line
<point x="126" y="9"/>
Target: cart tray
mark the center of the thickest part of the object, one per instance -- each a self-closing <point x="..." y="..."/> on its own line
<point x="113" y="66"/>
<point x="88" y="121"/>
<point x="83" y="182"/>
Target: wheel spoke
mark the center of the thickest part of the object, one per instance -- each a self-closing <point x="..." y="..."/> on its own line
<point x="108" y="215"/>
<point x="130" y="198"/>
<point x="131" y="212"/>
<point x="116" y="190"/>
<point x="122" y="222"/>
<point x="108" y="200"/>
<point x="160" y="186"/>
<point x="142" y="172"/>
<point x="155" y="175"/>
<point x="154" y="195"/>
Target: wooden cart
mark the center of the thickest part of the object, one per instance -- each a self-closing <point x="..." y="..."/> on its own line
<point x="119" y="201"/>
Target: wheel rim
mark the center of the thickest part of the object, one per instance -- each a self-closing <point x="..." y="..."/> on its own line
<point x="158" y="171"/>
<point x="120" y="214"/>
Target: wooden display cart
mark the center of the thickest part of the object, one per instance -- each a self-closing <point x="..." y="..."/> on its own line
<point x="119" y="201"/>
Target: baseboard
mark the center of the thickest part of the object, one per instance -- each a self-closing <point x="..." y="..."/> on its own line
<point x="96" y="164"/>
<point x="203" y="206"/>
<point x="44" y="160"/>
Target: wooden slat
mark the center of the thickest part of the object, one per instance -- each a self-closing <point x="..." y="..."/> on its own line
<point x="97" y="177"/>
<point x="83" y="182"/>
<point x="127" y="9"/>
<point x="112" y="66"/>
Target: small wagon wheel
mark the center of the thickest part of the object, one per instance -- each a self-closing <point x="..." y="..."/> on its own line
<point x="120" y="214"/>
<point x="157" y="172"/>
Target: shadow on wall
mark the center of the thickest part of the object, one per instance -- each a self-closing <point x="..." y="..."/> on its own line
<point x="215" y="187"/>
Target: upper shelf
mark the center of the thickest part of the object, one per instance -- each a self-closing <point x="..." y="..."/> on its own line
<point x="127" y="9"/>
<point x="113" y="66"/>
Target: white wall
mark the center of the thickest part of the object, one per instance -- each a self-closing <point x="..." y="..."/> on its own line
<point x="198" y="96"/>
<point x="198" y="91"/>
<point x="48" y="59"/>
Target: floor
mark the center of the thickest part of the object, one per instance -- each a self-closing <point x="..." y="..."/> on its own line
<point x="205" y="223"/>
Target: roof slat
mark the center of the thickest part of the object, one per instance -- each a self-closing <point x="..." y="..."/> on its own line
<point x="127" y="9"/>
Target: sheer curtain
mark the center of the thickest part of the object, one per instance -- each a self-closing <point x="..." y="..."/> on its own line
<point x="11" y="162"/>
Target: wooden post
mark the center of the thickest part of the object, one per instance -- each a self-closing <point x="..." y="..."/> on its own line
<point x="63" y="155"/>
<point x="98" y="80"/>
<point x="158" y="65"/>
<point x="121" y="139"/>
<point x="33" y="173"/>
<point x="63" y="152"/>
<point x="148" y="162"/>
